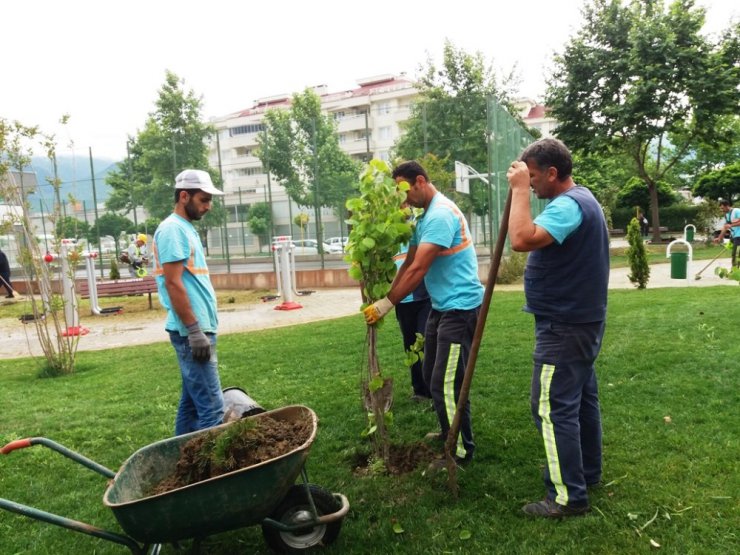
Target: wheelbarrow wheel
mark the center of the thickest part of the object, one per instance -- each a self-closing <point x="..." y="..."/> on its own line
<point x="294" y="509"/>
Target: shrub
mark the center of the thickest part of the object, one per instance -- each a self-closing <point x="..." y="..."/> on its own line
<point x="512" y="268"/>
<point x="637" y="256"/>
<point x="114" y="272"/>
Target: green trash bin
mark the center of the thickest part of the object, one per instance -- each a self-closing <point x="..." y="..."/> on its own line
<point x="679" y="265"/>
<point x="689" y="234"/>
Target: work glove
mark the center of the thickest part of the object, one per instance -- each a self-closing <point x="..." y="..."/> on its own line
<point x="199" y="343"/>
<point x="377" y="310"/>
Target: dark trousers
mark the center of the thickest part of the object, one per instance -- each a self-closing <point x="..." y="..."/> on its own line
<point x="5" y="282"/>
<point x="412" y="319"/>
<point x="565" y="406"/>
<point x="735" y="244"/>
<point x="447" y="342"/>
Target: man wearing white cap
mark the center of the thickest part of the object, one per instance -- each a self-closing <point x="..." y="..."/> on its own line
<point x="186" y="292"/>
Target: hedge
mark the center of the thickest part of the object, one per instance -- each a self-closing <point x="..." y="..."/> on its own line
<point x="673" y="217"/>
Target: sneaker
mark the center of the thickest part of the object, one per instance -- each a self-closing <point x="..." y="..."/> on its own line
<point x="547" y="508"/>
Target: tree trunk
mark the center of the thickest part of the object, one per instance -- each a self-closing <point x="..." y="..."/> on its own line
<point x="655" y="216"/>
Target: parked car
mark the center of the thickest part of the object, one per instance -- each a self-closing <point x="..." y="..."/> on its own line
<point x="308" y="246"/>
<point x="337" y="244"/>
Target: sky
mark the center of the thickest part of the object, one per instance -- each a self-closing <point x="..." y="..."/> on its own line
<point x="103" y="62"/>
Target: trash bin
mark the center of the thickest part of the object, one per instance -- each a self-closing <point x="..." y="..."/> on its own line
<point x="679" y="265"/>
<point x="689" y="234"/>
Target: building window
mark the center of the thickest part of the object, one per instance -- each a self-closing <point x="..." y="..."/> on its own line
<point x="385" y="133"/>
<point x="384" y="108"/>
<point x="338" y="116"/>
<point x="244" y="129"/>
<point x="245" y="172"/>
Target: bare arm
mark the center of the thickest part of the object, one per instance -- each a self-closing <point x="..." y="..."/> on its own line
<point x="524" y="235"/>
<point x="176" y="290"/>
<point x="412" y="271"/>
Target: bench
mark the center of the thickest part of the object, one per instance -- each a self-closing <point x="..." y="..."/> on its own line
<point x="121" y="288"/>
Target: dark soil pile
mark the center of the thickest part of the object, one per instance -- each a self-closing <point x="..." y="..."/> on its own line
<point x="245" y="443"/>
<point x="402" y="459"/>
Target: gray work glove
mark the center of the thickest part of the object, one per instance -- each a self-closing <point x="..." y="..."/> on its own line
<point x="200" y="346"/>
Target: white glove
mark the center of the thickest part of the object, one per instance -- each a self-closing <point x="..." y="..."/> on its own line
<point x="377" y="310"/>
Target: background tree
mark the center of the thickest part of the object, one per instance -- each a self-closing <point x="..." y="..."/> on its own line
<point x="711" y="156"/>
<point x="635" y="193"/>
<point x="449" y="118"/>
<point x="721" y="183"/>
<point x="113" y="225"/>
<point x="69" y="227"/>
<point x="258" y="220"/>
<point x="636" y="74"/>
<point x="173" y="139"/>
<point x="301" y="148"/>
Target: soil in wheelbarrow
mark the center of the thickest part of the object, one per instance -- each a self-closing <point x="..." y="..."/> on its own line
<point x="245" y="443"/>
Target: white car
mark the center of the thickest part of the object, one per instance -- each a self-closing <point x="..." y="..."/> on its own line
<point x="337" y="244"/>
<point x="307" y="247"/>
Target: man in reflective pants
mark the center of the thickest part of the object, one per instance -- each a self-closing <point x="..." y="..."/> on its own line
<point x="441" y="253"/>
<point x="565" y="285"/>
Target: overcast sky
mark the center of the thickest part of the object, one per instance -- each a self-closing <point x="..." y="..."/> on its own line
<point x="102" y="62"/>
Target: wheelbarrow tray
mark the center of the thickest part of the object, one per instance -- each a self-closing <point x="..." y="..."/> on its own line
<point x="226" y="502"/>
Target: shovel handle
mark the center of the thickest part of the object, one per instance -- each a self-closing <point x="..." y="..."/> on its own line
<point x="479" y="328"/>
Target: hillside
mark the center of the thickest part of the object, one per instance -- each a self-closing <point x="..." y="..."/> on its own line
<point x="74" y="171"/>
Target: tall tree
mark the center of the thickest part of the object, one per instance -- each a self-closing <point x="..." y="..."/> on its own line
<point x="301" y="148"/>
<point x="174" y="138"/>
<point x="722" y="183"/>
<point x="637" y="73"/>
<point x="258" y="219"/>
<point x="449" y="119"/>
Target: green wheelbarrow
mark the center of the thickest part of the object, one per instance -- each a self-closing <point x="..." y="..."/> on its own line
<point x="293" y="516"/>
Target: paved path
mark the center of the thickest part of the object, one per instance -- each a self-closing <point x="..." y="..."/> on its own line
<point x="17" y="340"/>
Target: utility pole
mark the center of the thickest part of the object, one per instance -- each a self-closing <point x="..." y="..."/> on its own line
<point x="317" y="209"/>
<point x="491" y="148"/>
<point x="130" y="184"/>
<point x="223" y="201"/>
<point x="95" y="203"/>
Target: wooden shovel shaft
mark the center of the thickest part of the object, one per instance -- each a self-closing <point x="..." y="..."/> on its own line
<point x="479" y="328"/>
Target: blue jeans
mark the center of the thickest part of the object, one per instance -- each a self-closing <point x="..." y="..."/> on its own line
<point x="202" y="401"/>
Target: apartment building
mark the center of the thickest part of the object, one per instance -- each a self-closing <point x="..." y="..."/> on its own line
<point x="368" y="123"/>
<point x="369" y="120"/>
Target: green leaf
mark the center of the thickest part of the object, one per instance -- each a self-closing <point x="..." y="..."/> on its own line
<point x="368" y="242"/>
<point x="465" y="535"/>
<point x="375" y="384"/>
<point x="397" y="528"/>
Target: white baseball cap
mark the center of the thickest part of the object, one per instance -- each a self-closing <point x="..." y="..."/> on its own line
<point x="196" y="179"/>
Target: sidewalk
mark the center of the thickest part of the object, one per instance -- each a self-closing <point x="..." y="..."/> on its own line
<point x="109" y="333"/>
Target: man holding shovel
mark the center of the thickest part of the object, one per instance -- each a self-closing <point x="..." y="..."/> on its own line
<point x="441" y="253"/>
<point x="732" y="224"/>
<point x="565" y="285"/>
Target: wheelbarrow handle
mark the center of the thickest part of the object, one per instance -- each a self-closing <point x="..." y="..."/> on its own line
<point x="17" y="444"/>
<point x="339" y="514"/>
<point x="61" y="449"/>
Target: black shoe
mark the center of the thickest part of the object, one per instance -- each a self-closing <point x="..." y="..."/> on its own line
<point x="10" y="296"/>
<point x="547" y="508"/>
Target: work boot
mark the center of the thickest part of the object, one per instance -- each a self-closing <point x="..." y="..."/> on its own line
<point x="547" y="508"/>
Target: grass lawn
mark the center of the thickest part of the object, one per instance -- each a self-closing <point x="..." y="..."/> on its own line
<point x="669" y="390"/>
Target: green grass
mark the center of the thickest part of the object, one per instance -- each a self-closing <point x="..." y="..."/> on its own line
<point x="667" y="353"/>
<point x="657" y="253"/>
